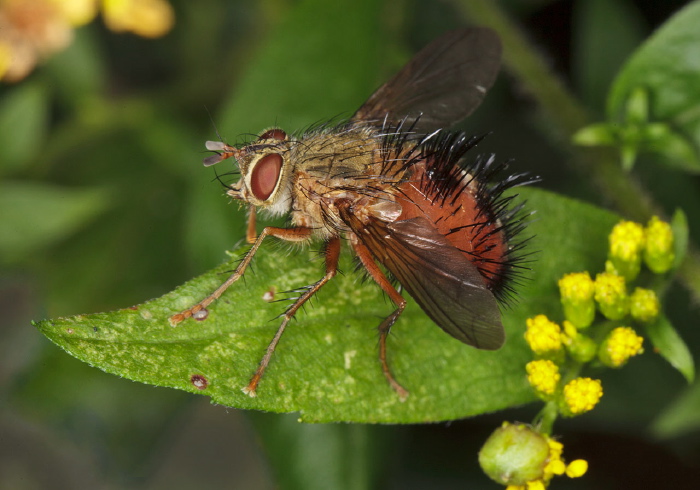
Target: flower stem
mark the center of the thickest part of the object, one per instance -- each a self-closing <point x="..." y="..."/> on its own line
<point x="544" y="420"/>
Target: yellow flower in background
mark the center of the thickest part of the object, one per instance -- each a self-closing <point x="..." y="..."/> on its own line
<point x="33" y="30"/>
<point x="147" y="18"/>
<point x="581" y="395"/>
<point x="5" y="58"/>
<point x="77" y="12"/>
<point x="30" y="30"/>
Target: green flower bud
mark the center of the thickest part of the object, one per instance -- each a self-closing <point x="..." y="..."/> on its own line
<point x="514" y="454"/>
<point x="582" y="348"/>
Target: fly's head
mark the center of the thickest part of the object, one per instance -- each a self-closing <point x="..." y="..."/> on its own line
<point x="266" y="171"/>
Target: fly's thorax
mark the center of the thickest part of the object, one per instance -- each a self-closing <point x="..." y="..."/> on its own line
<point x="330" y="166"/>
<point x="267" y="172"/>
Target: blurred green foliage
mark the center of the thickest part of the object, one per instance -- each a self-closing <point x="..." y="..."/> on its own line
<point x="104" y="204"/>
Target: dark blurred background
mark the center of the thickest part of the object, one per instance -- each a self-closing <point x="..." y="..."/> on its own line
<point x="105" y="204"/>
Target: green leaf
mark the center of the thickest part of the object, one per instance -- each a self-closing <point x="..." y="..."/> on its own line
<point x="679" y="225"/>
<point x="23" y="122"/>
<point x="599" y="134"/>
<point x="672" y="347"/>
<point x="667" y="66"/>
<point x="674" y="147"/>
<point x="326" y="366"/>
<point x="37" y="215"/>
<point x="681" y="416"/>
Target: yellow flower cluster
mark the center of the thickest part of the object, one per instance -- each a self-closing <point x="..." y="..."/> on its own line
<point x="552" y="345"/>
<point x="546" y="338"/>
<point x="33" y="30"/>
<point x="579" y="396"/>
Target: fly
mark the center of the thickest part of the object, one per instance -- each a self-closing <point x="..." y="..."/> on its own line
<point x="396" y="185"/>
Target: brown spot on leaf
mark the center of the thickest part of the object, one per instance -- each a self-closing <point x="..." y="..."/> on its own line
<point x="269" y="295"/>
<point x="199" y="381"/>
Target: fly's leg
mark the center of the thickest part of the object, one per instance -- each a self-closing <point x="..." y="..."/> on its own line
<point x="332" y="253"/>
<point x="376" y="273"/>
<point x="288" y="234"/>
<point x="251" y="233"/>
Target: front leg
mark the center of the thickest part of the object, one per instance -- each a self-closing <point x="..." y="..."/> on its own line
<point x="288" y="234"/>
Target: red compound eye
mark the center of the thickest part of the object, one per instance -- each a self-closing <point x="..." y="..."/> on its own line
<point x="273" y="134"/>
<point x="265" y="176"/>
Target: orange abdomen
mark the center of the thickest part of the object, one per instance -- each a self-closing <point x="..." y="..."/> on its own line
<point x="450" y="199"/>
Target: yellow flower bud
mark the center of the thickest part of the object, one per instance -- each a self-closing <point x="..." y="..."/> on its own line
<point x="659" y="254"/>
<point x="576" y="292"/>
<point x="543" y="375"/>
<point x="620" y="344"/>
<point x="543" y="336"/>
<point x="611" y="295"/>
<point x="581" y="395"/>
<point x="626" y="245"/>
<point x="644" y="305"/>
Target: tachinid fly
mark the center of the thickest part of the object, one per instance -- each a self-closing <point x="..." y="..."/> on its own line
<point x="395" y="184"/>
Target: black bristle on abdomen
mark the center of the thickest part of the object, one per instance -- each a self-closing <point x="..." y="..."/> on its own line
<point x="487" y="180"/>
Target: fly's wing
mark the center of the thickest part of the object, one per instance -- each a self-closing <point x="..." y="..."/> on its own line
<point x="437" y="275"/>
<point x="441" y="85"/>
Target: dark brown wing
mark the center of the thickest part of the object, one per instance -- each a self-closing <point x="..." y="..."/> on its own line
<point x="441" y="85"/>
<point x="438" y="276"/>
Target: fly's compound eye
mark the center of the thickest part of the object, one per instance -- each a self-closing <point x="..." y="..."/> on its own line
<point x="273" y="134"/>
<point x="265" y="175"/>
